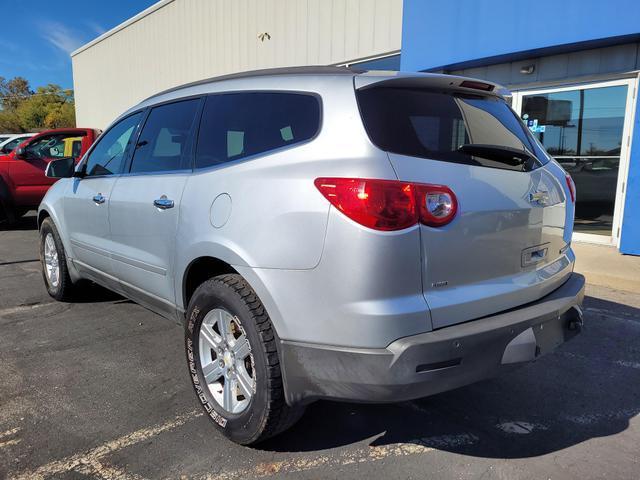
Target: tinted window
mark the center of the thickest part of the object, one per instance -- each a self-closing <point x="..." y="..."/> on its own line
<point x="163" y="142"/>
<point x="433" y="125"/>
<point x="108" y="155"/>
<point x="50" y="146"/>
<point x="238" y="125"/>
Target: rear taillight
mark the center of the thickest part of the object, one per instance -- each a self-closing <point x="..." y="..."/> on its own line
<point x="572" y="187"/>
<point x="390" y="204"/>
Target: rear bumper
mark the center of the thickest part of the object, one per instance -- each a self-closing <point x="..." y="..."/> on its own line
<point x="433" y="362"/>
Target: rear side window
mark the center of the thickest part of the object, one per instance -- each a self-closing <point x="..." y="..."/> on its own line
<point x="434" y="125"/>
<point x="163" y="142"/>
<point x="237" y="125"/>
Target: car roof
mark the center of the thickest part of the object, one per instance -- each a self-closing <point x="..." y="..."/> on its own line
<point x="367" y="76"/>
<point x="266" y="72"/>
<point x="306" y="78"/>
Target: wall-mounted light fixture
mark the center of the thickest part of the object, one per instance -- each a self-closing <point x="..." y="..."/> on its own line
<point x="527" y="69"/>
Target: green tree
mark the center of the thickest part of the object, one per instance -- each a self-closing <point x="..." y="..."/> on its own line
<point x="10" y="122"/>
<point x="13" y="92"/>
<point x="48" y="107"/>
<point x="24" y="110"/>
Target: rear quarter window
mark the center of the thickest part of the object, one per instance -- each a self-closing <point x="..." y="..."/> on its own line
<point x="239" y="125"/>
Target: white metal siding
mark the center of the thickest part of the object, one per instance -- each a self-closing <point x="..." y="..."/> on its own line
<point x="186" y="40"/>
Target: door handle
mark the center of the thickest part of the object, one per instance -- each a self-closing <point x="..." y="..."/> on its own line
<point x="99" y="199"/>
<point x="163" y="203"/>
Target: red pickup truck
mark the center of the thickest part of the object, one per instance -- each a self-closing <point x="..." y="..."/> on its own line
<point x="22" y="180"/>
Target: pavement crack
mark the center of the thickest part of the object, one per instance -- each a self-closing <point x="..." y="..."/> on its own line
<point x="15" y="262"/>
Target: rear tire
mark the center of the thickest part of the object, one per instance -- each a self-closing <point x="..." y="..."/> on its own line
<point x="257" y="409"/>
<point x="54" y="263"/>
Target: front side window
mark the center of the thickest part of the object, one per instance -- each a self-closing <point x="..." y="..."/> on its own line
<point x="49" y="146"/>
<point x="11" y="146"/>
<point x="238" y="125"/>
<point x="108" y="155"/>
<point x="447" y="126"/>
<point x="162" y="145"/>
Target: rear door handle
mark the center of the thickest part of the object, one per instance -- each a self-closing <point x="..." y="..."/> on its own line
<point x="99" y="199"/>
<point x="163" y="203"/>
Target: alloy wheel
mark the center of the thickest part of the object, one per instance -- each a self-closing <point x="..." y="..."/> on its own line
<point x="52" y="266"/>
<point x="226" y="360"/>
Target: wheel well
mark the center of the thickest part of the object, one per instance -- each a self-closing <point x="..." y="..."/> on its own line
<point x="41" y="216"/>
<point x="201" y="270"/>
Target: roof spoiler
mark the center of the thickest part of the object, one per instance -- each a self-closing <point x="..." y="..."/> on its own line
<point x="435" y="81"/>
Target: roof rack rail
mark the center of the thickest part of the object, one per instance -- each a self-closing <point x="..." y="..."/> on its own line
<point x="304" y="70"/>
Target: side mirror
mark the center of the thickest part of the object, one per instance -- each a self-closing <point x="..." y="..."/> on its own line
<point x="21" y="153"/>
<point x="61" y="168"/>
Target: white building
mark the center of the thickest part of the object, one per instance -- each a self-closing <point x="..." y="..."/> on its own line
<point x="179" y="41"/>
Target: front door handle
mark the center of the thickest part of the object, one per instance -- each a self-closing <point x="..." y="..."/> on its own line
<point x="99" y="199"/>
<point x="163" y="203"/>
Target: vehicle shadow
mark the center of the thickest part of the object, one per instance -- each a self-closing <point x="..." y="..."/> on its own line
<point x="589" y="388"/>
<point x="27" y="222"/>
<point x="89" y="292"/>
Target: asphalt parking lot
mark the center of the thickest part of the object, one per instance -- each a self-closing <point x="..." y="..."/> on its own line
<point x="99" y="390"/>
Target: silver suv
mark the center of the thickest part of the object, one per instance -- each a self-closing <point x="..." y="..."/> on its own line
<point x="324" y="233"/>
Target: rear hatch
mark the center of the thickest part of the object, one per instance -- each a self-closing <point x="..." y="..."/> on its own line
<point x="507" y="245"/>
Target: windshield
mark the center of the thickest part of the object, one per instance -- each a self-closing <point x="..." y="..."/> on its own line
<point x="434" y="125"/>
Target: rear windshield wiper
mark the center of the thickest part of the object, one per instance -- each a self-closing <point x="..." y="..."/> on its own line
<point x="499" y="153"/>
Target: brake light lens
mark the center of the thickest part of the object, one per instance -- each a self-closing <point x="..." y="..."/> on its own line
<point x="438" y="204"/>
<point x="389" y="205"/>
<point x="487" y="87"/>
<point x="572" y="187"/>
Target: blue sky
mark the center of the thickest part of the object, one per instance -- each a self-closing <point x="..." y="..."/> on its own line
<point x="37" y="36"/>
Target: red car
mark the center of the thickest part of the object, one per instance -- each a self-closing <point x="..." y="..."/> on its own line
<point x="22" y="180"/>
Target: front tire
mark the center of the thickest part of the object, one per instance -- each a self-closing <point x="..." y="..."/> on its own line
<point x="233" y="361"/>
<point x="54" y="263"/>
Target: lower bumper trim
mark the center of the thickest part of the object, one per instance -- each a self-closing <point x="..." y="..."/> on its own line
<point x="436" y="361"/>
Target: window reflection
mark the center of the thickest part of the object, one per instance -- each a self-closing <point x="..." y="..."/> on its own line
<point x="582" y="129"/>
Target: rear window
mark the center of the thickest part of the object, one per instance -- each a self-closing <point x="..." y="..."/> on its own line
<point x="433" y="125"/>
<point x="238" y="125"/>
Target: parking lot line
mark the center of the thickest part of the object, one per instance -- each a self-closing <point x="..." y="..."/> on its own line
<point x="96" y="469"/>
<point x="361" y="455"/>
<point x="23" y="308"/>
<point x="90" y="463"/>
<point x="8" y="433"/>
<point x="90" y="460"/>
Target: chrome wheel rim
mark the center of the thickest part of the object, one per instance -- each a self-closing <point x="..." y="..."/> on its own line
<point x="51" y="265"/>
<point x="226" y="361"/>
